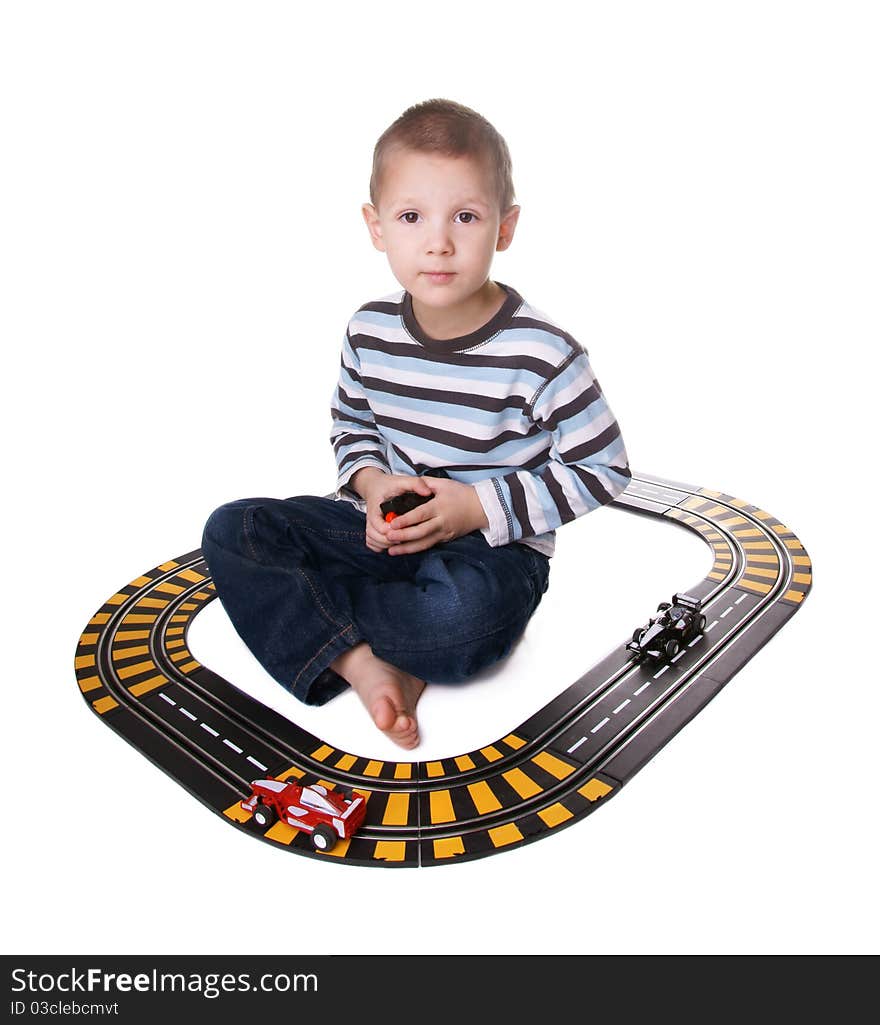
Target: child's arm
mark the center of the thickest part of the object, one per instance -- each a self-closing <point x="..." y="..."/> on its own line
<point x="355" y="436"/>
<point x="588" y="467"/>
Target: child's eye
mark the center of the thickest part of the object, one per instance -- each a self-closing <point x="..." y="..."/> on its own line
<point x="411" y="217"/>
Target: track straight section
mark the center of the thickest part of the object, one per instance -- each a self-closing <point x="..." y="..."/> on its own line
<point x="135" y="671"/>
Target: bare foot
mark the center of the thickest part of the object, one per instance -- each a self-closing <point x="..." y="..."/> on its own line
<point x="389" y="694"/>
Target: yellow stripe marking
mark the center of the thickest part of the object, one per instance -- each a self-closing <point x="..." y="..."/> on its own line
<point x="140" y="581"/>
<point x="201" y="596"/>
<point x="490" y="753"/>
<point x="89" y="639"/>
<point x="237" y="813"/>
<point x="403" y="770"/>
<point x="524" y="785"/>
<point x="134" y="617"/>
<point x="464" y="762"/>
<point x="136" y="670"/>
<point x="555" y="766"/>
<point x="763" y="558"/>
<point x="118" y="599"/>
<point x="90" y="683"/>
<point x="373" y="768"/>
<point x="171" y="564"/>
<point x="340" y="850"/>
<point x="512" y="740"/>
<point x="483" y="798"/>
<point x="801" y="560"/>
<point x="152" y="603"/>
<point x="753" y="586"/>
<point x="188" y="667"/>
<point x="441" y="806"/>
<point x="448" y="847"/>
<point x="754" y="546"/>
<point x="757" y="571"/>
<point x="179" y="656"/>
<point x="435" y="768"/>
<point x="103" y="705"/>
<point x="555" y="814"/>
<point x="191" y="576"/>
<point x="131" y="635"/>
<point x="180" y="619"/>
<point x="346" y="762"/>
<point x="732" y="521"/>
<point x="751" y="532"/>
<point x="802" y="578"/>
<point x="594" y="789"/>
<point x="396" y="810"/>
<point x="390" y="850"/>
<point x="792" y="543"/>
<point x="503" y="835"/>
<point x="322" y="752"/>
<point x="174" y="644"/>
<point x="120" y="653"/>
<point x="174" y="631"/>
<point x="709" y="493"/>
<point x="281" y="832"/>
<point x="292" y="771"/>
<point x="168" y="588"/>
<point x="717" y="576"/>
<point x="141" y="688"/>
<point x="795" y="596"/>
<point x="99" y="619"/>
<point x="83" y="661"/>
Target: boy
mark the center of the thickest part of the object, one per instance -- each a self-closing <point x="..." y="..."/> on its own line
<point x="455" y="389"/>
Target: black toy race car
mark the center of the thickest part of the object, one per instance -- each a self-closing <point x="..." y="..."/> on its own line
<point x="666" y="634"/>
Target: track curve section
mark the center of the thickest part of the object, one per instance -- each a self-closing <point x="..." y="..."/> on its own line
<point x="136" y="673"/>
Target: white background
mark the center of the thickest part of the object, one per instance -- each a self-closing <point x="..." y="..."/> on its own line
<point x="182" y="247"/>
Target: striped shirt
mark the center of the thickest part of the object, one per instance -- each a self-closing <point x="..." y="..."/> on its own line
<point x="512" y="408"/>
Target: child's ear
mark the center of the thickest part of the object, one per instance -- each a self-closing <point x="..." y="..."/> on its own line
<point x="507" y="228"/>
<point x="371" y="217"/>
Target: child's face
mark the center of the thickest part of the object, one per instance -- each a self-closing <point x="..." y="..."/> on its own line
<point x="439" y="213"/>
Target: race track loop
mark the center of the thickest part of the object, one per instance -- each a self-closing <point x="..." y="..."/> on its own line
<point x="136" y="673"/>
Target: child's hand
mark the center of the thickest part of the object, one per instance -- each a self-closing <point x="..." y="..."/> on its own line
<point x="376" y="488"/>
<point x="455" y="510"/>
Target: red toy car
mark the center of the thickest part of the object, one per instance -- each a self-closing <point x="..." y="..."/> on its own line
<point x="329" y="815"/>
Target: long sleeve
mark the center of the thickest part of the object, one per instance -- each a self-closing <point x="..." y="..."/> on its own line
<point x="587" y="468"/>
<point x="355" y="436"/>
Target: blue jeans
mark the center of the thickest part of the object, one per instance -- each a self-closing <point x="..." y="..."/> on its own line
<point x="297" y="580"/>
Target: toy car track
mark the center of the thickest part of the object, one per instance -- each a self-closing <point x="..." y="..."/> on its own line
<point x="135" y="671"/>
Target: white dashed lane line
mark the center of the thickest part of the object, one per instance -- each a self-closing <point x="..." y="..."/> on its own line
<point x="644" y="686"/>
<point x="213" y="732"/>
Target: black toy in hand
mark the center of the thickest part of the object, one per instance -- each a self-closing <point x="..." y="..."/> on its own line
<point x="401" y="504"/>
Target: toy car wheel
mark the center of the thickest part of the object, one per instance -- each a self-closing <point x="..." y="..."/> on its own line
<point x="347" y="794"/>
<point x="637" y="634"/>
<point x="264" y="815"/>
<point x="323" y="838"/>
<point x="701" y="626"/>
<point x="671" y="648"/>
<point x="663" y="606"/>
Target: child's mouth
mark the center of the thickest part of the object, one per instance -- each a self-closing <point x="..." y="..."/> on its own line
<point x="438" y="278"/>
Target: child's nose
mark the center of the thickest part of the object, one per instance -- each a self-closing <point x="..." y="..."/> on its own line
<point x="439" y="241"/>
